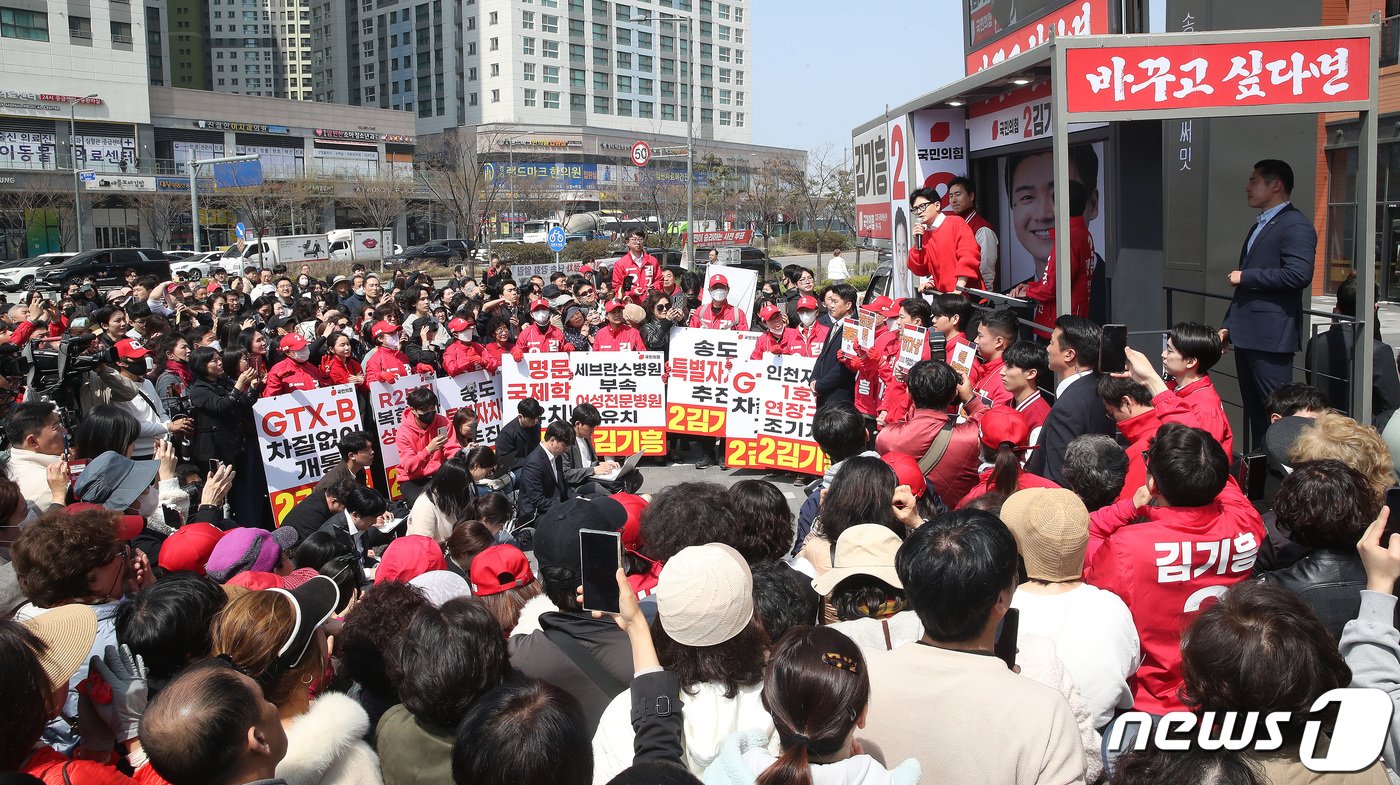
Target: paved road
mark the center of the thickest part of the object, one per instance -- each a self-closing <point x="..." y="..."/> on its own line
<point x="656" y="478"/>
<point x="866" y="265"/>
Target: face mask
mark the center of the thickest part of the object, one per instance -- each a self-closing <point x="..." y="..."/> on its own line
<point x="778" y="330"/>
<point x="391" y="342"/>
<point x="540" y="317"/>
<point x="360" y="291"/>
<point x="216" y="346"/>
<point x="890" y="323"/>
<point x="138" y="367"/>
<point x="149" y="501"/>
<point x="300" y="355"/>
<point x="348" y="333"/>
<point x="719" y="295"/>
<point x="465" y="336"/>
<point x="426" y="419"/>
<point x="808" y="318"/>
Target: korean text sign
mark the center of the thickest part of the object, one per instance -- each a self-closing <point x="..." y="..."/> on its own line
<point x="481" y="392"/>
<point x="779" y="429"/>
<point x="299" y="438"/>
<point x="387" y="403"/>
<point x="626" y="387"/>
<point x="1218" y="75"/>
<point x="701" y="390"/>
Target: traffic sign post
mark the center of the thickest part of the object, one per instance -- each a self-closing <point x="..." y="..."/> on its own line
<point x="641" y="153"/>
<point x="557" y="241"/>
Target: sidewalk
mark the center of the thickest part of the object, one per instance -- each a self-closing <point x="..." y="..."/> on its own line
<point x="1389" y="315"/>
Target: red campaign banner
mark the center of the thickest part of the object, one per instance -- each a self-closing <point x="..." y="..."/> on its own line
<point x="873" y="221"/>
<point x="1081" y="18"/>
<point x="729" y="237"/>
<point x="1198" y="76"/>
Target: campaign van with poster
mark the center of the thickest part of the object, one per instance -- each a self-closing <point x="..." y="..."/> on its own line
<point x="1028" y="208"/>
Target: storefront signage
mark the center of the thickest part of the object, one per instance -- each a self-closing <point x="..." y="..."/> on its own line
<point x="252" y="128"/>
<point x="50" y="98"/>
<point x="181" y="184"/>
<point x="113" y="182"/>
<point x="26" y="150"/>
<point x="400" y="139"/>
<point x="552" y="144"/>
<point x="353" y="136"/>
<point x="989" y="20"/>
<point x="1196" y="76"/>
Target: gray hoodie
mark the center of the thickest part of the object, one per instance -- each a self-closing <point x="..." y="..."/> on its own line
<point x="1371" y="645"/>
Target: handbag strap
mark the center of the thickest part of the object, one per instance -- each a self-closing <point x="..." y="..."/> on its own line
<point x="585" y="662"/>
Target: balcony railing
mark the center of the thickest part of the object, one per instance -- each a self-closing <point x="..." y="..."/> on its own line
<point x="1390" y="41"/>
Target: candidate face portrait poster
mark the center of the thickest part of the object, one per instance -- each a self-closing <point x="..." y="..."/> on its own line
<point x="1028" y="208"/>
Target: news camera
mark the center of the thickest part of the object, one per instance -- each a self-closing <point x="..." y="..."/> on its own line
<point x="56" y="374"/>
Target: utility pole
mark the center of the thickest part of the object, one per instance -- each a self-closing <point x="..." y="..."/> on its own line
<point x="194" y="188"/>
<point x="77" y="174"/>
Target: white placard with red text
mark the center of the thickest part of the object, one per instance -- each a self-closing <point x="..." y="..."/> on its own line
<point x="479" y="390"/>
<point x="387" y="403"/>
<point x="629" y="391"/>
<point x="701" y="390"/>
<point x="299" y="439"/>
<point x="777" y="434"/>
<point x="913" y="345"/>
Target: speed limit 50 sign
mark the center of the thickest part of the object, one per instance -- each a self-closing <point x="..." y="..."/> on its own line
<point x="641" y="153"/>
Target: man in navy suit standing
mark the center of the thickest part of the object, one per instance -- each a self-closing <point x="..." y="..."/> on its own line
<point x="1276" y="266"/>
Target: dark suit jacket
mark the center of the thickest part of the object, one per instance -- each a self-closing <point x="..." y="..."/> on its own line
<point x="309" y="514"/>
<point x="538" y="490"/>
<point x="835" y="383"/>
<point x="1328" y="361"/>
<point x="578" y="468"/>
<point x="1077" y="412"/>
<point x="513" y="443"/>
<point x="1267" y="310"/>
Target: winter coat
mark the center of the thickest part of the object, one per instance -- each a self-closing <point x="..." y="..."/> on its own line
<point x="326" y="745"/>
<point x="223" y="420"/>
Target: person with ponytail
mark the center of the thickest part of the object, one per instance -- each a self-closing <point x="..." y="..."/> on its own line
<point x="817" y="689"/>
<point x="1005" y="440"/>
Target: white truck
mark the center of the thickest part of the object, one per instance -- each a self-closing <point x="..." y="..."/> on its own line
<point x="286" y="250"/>
<point x="361" y="245"/>
<point x="537" y="231"/>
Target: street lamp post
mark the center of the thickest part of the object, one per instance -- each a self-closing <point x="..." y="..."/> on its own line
<point x="194" y="188"/>
<point x="77" y="175"/>
<point x="689" y="257"/>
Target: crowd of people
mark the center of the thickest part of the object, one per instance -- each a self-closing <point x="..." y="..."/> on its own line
<point x="997" y="567"/>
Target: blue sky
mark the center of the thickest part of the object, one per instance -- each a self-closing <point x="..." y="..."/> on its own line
<point x="817" y="74"/>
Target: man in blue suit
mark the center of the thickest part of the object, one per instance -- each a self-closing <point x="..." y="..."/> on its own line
<point x="1276" y="266"/>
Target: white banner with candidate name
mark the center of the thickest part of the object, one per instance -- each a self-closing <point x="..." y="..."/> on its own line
<point x="299" y="439"/>
<point x="387" y="402"/>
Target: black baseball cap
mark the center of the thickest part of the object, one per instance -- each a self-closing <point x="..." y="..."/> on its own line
<point x="556" y="534"/>
<point x="314" y="601"/>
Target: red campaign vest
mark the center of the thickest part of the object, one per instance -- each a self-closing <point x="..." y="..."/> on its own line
<point x="626" y="340"/>
<point x="729" y="318"/>
<point x="532" y="340"/>
<point x="814" y="337"/>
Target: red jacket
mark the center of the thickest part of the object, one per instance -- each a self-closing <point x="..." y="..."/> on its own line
<point x="1201" y="396"/>
<point x="1167" y="569"/>
<point x="727" y="318"/>
<point x="896" y="403"/>
<point x="55" y="768"/>
<point x="646" y="272"/>
<point x="1035" y="409"/>
<point x="1139" y="431"/>
<point x="950" y="252"/>
<point x="1024" y="480"/>
<point x="339" y="371"/>
<point x="875" y="368"/>
<point x="956" y="471"/>
<point x="289" y="375"/>
<point x="533" y="339"/>
<point x="789" y="343"/>
<point x="813" y="337"/>
<point x="461" y="357"/>
<point x="1081" y="254"/>
<point x="493" y="354"/>
<point x="618" y="339"/>
<point x="988" y="384"/>
<point x="415" y="462"/>
<point x="386" y="365"/>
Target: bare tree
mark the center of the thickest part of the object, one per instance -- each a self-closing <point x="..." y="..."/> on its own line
<point x="453" y="166"/>
<point x="768" y="196"/>
<point x="381" y="202"/>
<point x="21" y="212"/>
<point x="811" y="187"/>
<point x="260" y="207"/>
<point x="161" y="212"/>
<point x="842" y="204"/>
<point x="661" y="193"/>
<point x="61" y="205"/>
<point x="302" y="198"/>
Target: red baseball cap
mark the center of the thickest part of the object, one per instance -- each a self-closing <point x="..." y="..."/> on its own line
<point x="614" y="305"/>
<point x="768" y="311"/>
<point x="806" y="303"/>
<point x="131" y="349"/>
<point x="881" y="305"/>
<point x="214" y="286"/>
<point x="128" y="526"/>
<point x="719" y="280"/>
<point x="257" y="581"/>
<point x="632" y="529"/>
<point x="539" y="305"/>
<point x="500" y="568"/>
<point x="906" y="469"/>
<point x="458" y="324"/>
<point x="292" y="342"/>
<point x="383" y="328"/>
<point x="189" y="547"/>
<point x="408" y="557"/>
<point x="1002" y="424"/>
<point x="585" y="269"/>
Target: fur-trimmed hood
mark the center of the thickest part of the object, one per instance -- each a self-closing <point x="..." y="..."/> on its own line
<point x="326" y="745"/>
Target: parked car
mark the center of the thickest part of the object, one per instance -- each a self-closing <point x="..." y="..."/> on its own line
<point x="179" y="255"/>
<point x="667" y="256"/>
<point x="204" y="264"/>
<point x="106" y="266"/>
<point x="430" y="253"/>
<point x="745" y="257"/>
<point x="464" y="248"/>
<point x="16" y="276"/>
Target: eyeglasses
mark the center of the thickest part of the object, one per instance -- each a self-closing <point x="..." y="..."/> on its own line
<point x="585" y="293"/>
<point x="920" y="208"/>
<point x="660" y="306"/>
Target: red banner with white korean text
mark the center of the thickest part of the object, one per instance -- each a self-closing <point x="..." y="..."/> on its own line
<point x="1200" y="76"/>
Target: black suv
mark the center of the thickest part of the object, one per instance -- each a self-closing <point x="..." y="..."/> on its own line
<point x="750" y="258"/>
<point x="107" y="266"/>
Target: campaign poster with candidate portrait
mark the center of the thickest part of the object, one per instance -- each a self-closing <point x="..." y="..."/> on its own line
<point x="900" y="166"/>
<point x="1028" y="208"/>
